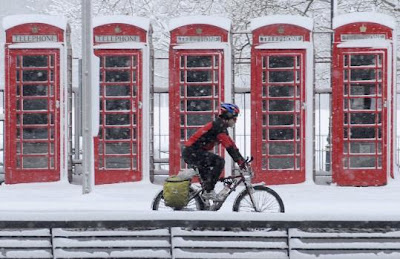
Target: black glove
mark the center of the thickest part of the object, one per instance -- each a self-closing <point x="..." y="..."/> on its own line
<point x="242" y="164"/>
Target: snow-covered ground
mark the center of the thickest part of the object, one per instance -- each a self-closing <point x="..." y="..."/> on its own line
<point x="64" y="201"/>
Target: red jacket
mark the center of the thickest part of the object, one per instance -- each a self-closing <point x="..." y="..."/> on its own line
<point x="211" y="134"/>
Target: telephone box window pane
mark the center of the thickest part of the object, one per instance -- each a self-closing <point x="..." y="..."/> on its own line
<point x="118" y="133"/>
<point x="35" y="133"/>
<point x="35" y="148"/>
<point x="281" y="148"/>
<point x="362" y="147"/>
<point x="363" y="89"/>
<point x="134" y="163"/>
<point x="118" y="90"/>
<point x="281" y="134"/>
<point x="118" y="162"/>
<point x="356" y="133"/>
<point x="117" y="76"/>
<point x="362" y="118"/>
<point x="199" y="61"/>
<point x="281" y="163"/>
<point x="35" y="118"/>
<point x="34" y="75"/>
<point x="281" y="76"/>
<point x="117" y="148"/>
<point x="117" y="119"/>
<point x="363" y="60"/>
<point x="281" y="61"/>
<point x="281" y="119"/>
<point x="199" y="76"/>
<point x="112" y="105"/>
<point x="362" y="74"/>
<point x="118" y="61"/>
<point x="199" y="105"/>
<point x="34" y="90"/>
<point x="35" y="162"/>
<point x="190" y="132"/>
<point x="280" y="105"/>
<point x="199" y="90"/>
<point x="34" y="61"/>
<point x="37" y="104"/>
<point x="362" y="162"/>
<point x="363" y="103"/>
<point x="198" y="119"/>
<point x="279" y="91"/>
<point x="133" y="76"/>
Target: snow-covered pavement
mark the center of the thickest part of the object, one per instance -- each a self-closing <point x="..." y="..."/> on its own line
<point x="63" y="201"/>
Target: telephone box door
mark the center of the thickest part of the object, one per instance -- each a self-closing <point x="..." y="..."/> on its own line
<point x="118" y="146"/>
<point x="360" y="118"/>
<point x="33" y="112"/>
<point x="197" y="94"/>
<point x="278" y="119"/>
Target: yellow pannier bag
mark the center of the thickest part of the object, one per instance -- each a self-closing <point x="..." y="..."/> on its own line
<point x="176" y="192"/>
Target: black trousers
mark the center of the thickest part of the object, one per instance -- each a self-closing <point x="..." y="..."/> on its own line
<point x="209" y="164"/>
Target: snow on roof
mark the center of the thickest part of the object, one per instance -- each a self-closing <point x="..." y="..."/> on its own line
<point x="203" y="45"/>
<point x="141" y="22"/>
<point x="285" y="45"/>
<point x="14" y="20"/>
<point x="122" y="45"/>
<point x="221" y="22"/>
<point x="301" y="21"/>
<point x="364" y="17"/>
<point x="367" y="43"/>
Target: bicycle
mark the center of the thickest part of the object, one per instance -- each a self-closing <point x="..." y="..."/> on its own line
<point x="258" y="198"/>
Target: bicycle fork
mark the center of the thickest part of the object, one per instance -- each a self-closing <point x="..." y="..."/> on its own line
<point x="250" y="190"/>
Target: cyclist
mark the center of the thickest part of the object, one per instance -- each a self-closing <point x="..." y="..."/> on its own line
<point x="197" y="148"/>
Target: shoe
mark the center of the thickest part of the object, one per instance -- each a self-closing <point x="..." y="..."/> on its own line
<point x="209" y="195"/>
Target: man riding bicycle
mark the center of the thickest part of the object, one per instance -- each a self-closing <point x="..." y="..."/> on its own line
<point x="198" y="146"/>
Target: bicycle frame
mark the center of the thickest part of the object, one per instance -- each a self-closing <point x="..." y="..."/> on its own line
<point x="235" y="180"/>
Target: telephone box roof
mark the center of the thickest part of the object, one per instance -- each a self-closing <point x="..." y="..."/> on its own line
<point x="301" y="21"/>
<point x="141" y="22"/>
<point x="15" y="20"/>
<point x="220" y="22"/>
<point x="364" y="17"/>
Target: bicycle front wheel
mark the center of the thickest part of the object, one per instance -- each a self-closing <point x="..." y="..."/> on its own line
<point x="265" y="200"/>
<point x="194" y="204"/>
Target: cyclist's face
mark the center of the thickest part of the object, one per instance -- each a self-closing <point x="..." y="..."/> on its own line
<point x="231" y="122"/>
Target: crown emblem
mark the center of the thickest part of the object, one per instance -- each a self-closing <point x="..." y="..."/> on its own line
<point x="281" y="30"/>
<point x="35" y="29"/>
<point x="363" y="28"/>
<point x="199" y="30"/>
<point x="117" y="29"/>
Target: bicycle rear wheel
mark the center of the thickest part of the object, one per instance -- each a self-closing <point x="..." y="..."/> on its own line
<point x="265" y="199"/>
<point x="194" y="204"/>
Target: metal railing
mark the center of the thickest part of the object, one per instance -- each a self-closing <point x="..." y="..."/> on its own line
<point x="200" y="238"/>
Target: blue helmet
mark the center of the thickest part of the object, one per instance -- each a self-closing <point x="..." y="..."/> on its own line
<point x="228" y="111"/>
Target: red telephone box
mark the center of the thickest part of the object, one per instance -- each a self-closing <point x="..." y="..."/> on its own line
<point x="35" y="143"/>
<point x="362" y="99"/>
<point x="281" y="97"/>
<point x="200" y="78"/>
<point x="122" y="146"/>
